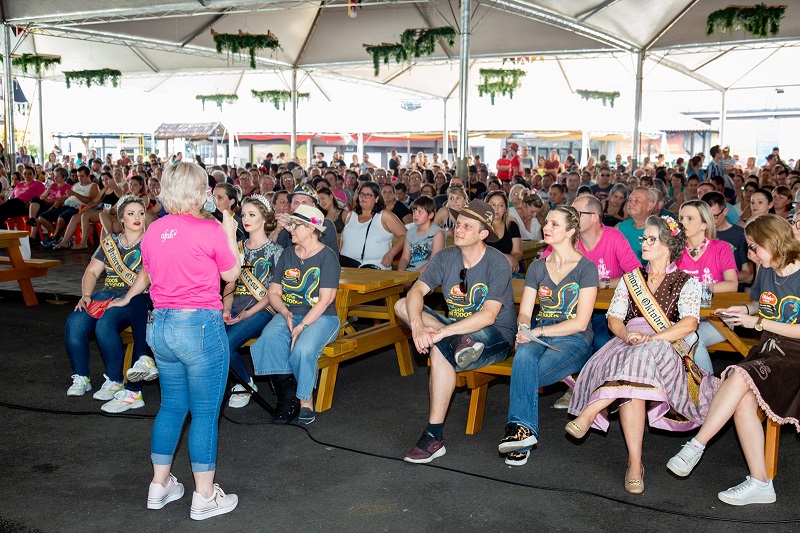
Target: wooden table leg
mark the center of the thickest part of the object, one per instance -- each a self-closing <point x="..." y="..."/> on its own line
<point x="404" y="360"/>
<point x="25" y="284"/>
<point x="771" y="443"/>
<point x="327" y="382"/>
<point x="730" y="336"/>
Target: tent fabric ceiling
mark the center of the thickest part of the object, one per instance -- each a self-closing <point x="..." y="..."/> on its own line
<point x="167" y="45"/>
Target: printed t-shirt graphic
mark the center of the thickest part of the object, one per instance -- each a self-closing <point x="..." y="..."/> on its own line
<point x="298" y="288"/>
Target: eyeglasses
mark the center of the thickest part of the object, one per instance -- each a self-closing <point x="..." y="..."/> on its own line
<point x="294" y="225"/>
<point x="365" y="195"/>
<point x="752" y="247"/>
<point x="649" y="240"/>
<point x="586" y="213"/>
<point x="717" y="215"/>
<point x="463" y="277"/>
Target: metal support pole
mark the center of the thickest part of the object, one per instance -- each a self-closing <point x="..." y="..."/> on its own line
<point x="463" y="89"/>
<point x="637" y="112"/>
<point x="42" y="157"/>
<point x="723" y="111"/>
<point x="293" y="147"/>
<point x="8" y="96"/>
<point x="444" y="129"/>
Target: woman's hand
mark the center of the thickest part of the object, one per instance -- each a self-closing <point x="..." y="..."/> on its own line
<point x="229" y="225"/>
<point x="298" y="329"/>
<point x="522" y="338"/>
<point x="387" y="259"/>
<point x="636" y="337"/>
<point x="226" y="316"/>
<point x="738" y="318"/>
<point x="83" y="302"/>
<point x="289" y="320"/>
<point x="119" y="302"/>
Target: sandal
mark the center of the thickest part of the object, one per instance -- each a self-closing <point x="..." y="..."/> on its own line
<point x="576" y="430"/>
<point x="634" y="486"/>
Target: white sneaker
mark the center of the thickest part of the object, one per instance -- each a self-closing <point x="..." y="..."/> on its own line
<point x="143" y="369"/>
<point x="563" y="402"/>
<point x="219" y="503"/>
<point x="747" y="492"/>
<point x="685" y="460"/>
<point x="240" y="398"/>
<point x="80" y="385"/>
<point x="124" y="400"/>
<point x="159" y="495"/>
<point x="108" y="390"/>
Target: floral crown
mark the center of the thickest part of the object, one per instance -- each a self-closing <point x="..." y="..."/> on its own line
<point x="263" y="201"/>
<point x="128" y="198"/>
<point x="674" y="229"/>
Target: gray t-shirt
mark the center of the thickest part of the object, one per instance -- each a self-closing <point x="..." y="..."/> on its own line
<point x="328" y="238"/>
<point x="559" y="301"/>
<point x="421" y="245"/>
<point x="131" y="256"/>
<point x="301" y="282"/>
<point x="777" y="296"/>
<point x="261" y="263"/>
<point x="490" y="279"/>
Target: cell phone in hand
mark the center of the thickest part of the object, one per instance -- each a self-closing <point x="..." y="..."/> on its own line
<point x="722" y="315"/>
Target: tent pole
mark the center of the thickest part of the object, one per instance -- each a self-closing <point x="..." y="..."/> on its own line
<point x="8" y="97"/>
<point x="723" y="111"/>
<point x="637" y="113"/>
<point x="41" y="122"/>
<point x="463" y="89"/>
<point x="293" y="147"/>
<point x="444" y="129"/>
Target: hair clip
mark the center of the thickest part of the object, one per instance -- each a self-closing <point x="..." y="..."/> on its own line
<point x="673" y="225"/>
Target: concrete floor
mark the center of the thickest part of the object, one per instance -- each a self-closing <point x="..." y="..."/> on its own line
<point x="66" y="466"/>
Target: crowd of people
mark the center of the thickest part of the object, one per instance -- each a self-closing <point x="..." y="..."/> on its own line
<point x="663" y="237"/>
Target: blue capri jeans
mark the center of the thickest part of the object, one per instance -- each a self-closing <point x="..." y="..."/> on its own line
<point x="272" y="355"/>
<point x="191" y="350"/>
<point x="107" y="329"/>
<point x="241" y="332"/>
<point x="536" y="366"/>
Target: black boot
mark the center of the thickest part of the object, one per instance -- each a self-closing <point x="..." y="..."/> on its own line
<point x="287" y="406"/>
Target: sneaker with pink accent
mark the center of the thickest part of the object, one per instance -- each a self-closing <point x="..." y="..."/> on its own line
<point x="426" y="450"/>
<point x="124" y="400"/>
<point x="219" y="503"/>
<point x="108" y="389"/>
<point x="160" y="495"/>
<point x="467" y="351"/>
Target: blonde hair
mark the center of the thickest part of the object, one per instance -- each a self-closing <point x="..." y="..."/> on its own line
<point x="184" y="188"/>
<point x="705" y="215"/>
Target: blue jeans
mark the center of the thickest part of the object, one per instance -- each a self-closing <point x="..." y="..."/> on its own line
<point x="536" y="366"/>
<point x="600" y="330"/>
<point x="241" y="332"/>
<point x="107" y="329"/>
<point x="271" y="353"/>
<point x="191" y="350"/>
<point x="496" y="347"/>
<point x="708" y="335"/>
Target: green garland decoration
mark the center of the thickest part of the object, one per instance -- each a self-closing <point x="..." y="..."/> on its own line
<point x="496" y="81"/>
<point x="87" y="77"/>
<point x="416" y="42"/>
<point x="39" y="63"/>
<point x="761" y="20"/>
<point x="599" y="95"/>
<point x="238" y="43"/>
<point x="278" y="98"/>
<point x="218" y="99"/>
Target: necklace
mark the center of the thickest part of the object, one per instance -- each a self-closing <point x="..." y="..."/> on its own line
<point x="694" y="252"/>
<point x="653" y="279"/>
<point x="560" y="264"/>
<point x="307" y="255"/>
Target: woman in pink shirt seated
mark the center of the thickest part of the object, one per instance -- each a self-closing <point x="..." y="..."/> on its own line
<point x="184" y="255"/>
<point x="711" y="262"/>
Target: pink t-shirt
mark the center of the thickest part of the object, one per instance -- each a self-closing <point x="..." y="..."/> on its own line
<point x="184" y="255"/>
<point x="709" y="267"/>
<point x="28" y="191"/>
<point x="612" y="254"/>
<point x="57" y="191"/>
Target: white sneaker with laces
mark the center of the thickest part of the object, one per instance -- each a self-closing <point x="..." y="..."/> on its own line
<point x="685" y="460"/>
<point x="219" y="503"/>
<point x="143" y="369"/>
<point x="160" y="495"/>
<point x="747" y="492"/>
<point x="240" y="398"/>
<point x="108" y="390"/>
<point x="124" y="400"/>
<point x="80" y="385"/>
<point x="563" y="402"/>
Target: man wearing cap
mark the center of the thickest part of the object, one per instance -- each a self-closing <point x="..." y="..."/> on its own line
<point x="728" y="163"/>
<point x="303" y="194"/>
<point x="480" y="326"/>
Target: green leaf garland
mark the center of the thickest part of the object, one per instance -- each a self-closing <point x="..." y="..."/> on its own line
<point x="278" y="98"/>
<point x="761" y="20"/>
<point x="416" y="42"/>
<point x="87" y="77"/>
<point x="599" y="95"/>
<point x="383" y="52"/>
<point x="218" y="99"/>
<point x="39" y="63"/>
<point x="239" y="43"/>
<point x="496" y="81"/>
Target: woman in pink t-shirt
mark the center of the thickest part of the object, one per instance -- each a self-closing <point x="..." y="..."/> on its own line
<point x="184" y="255"/>
<point x="711" y="262"/>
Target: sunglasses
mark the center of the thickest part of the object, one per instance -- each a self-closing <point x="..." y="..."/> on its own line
<point x="463" y="277"/>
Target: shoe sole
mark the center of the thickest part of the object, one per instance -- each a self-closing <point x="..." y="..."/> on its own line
<point x="78" y="393"/>
<point x="238" y="404"/>
<point x="134" y="405"/>
<point x="210" y="513"/>
<point x="515" y="462"/>
<point x="467" y="356"/>
<point x="734" y="501"/>
<point x="104" y="398"/>
<point x="306" y="421"/>
<point x="135" y="376"/>
<point x="677" y="470"/>
<point x="514" y="445"/>
<point x="435" y="455"/>
<point x="160" y="503"/>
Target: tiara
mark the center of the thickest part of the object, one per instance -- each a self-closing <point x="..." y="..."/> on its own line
<point x="673" y="226"/>
<point x="127" y="199"/>
<point x="263" y="201"/>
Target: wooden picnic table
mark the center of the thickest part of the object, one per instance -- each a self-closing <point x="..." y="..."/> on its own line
<point x="22" y="271"/>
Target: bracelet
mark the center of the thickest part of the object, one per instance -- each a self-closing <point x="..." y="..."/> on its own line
<point x="542" y="333"/>
<point x="88" y="295"/>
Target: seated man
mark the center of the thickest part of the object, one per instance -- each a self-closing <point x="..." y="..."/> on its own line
<point x="481" y="323"/>
<point x="640" y="205"/>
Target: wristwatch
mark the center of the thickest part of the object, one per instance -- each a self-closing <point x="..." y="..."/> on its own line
<point x="759" y="326"/>
<point x="607" y="283"/>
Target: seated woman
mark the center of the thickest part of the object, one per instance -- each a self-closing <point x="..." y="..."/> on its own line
<point x="769" y="378"/>
<point x="614" y="205"/>
<point x="566" y="286"/>
<point x="647" y="370"/>
<point x="109" y="196"/>
<point x="528" y="217"/>
<point x="303" y="293"/>
<point x="154" y="208"/>
<point x="330" y="206"/>
<point x="119" y="256"/>
<point x="710" y="261"/>
<point x="245" y="306"/>
<point x="760" y="203"/>
<point x="369" y="231"/>
<point x="56" y="190"/>
<point x="509" y="241"/>
<point x="456" y="200"/>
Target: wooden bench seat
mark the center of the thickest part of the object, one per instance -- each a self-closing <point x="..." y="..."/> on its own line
<point x="33" y="268"/>
<point x="33" y="263"/>
<point x="477" y="381"/>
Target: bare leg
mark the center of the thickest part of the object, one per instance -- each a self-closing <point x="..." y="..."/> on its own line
<point x="632" y="419"/>
<point x="587" y="416"/>
<point x="161" y="474"/>
<point x="69" y="230"/>
<point x="88" y="217"/>
<point x="107" y="222"/>
<point x="751" y="436"/>
<point x="204" y="483"/>
<point x="46" y="224"/>
<point x="723" y="406"/>
<point x="441" y="386"/>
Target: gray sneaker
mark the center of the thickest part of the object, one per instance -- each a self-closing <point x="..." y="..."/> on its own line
<point x="219" y="503"/>
<point x="748" y="492"/>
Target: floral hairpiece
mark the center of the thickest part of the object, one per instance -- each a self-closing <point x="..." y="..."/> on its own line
<point x="263" y="201"/>
<point x="673" y="225"/>
<point x="317" y="221"/>
<point x="127" y="199"/>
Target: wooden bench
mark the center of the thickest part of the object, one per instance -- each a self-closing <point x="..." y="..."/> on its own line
<point x="34" y="268"/>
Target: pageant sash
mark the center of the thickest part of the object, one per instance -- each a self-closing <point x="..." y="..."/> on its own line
<point x="114" y="259"/>
<point x="253" y="285"/>
<point x="655" y="316"/>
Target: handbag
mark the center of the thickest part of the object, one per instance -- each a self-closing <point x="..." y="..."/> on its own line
<point x="349" y="262"/>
